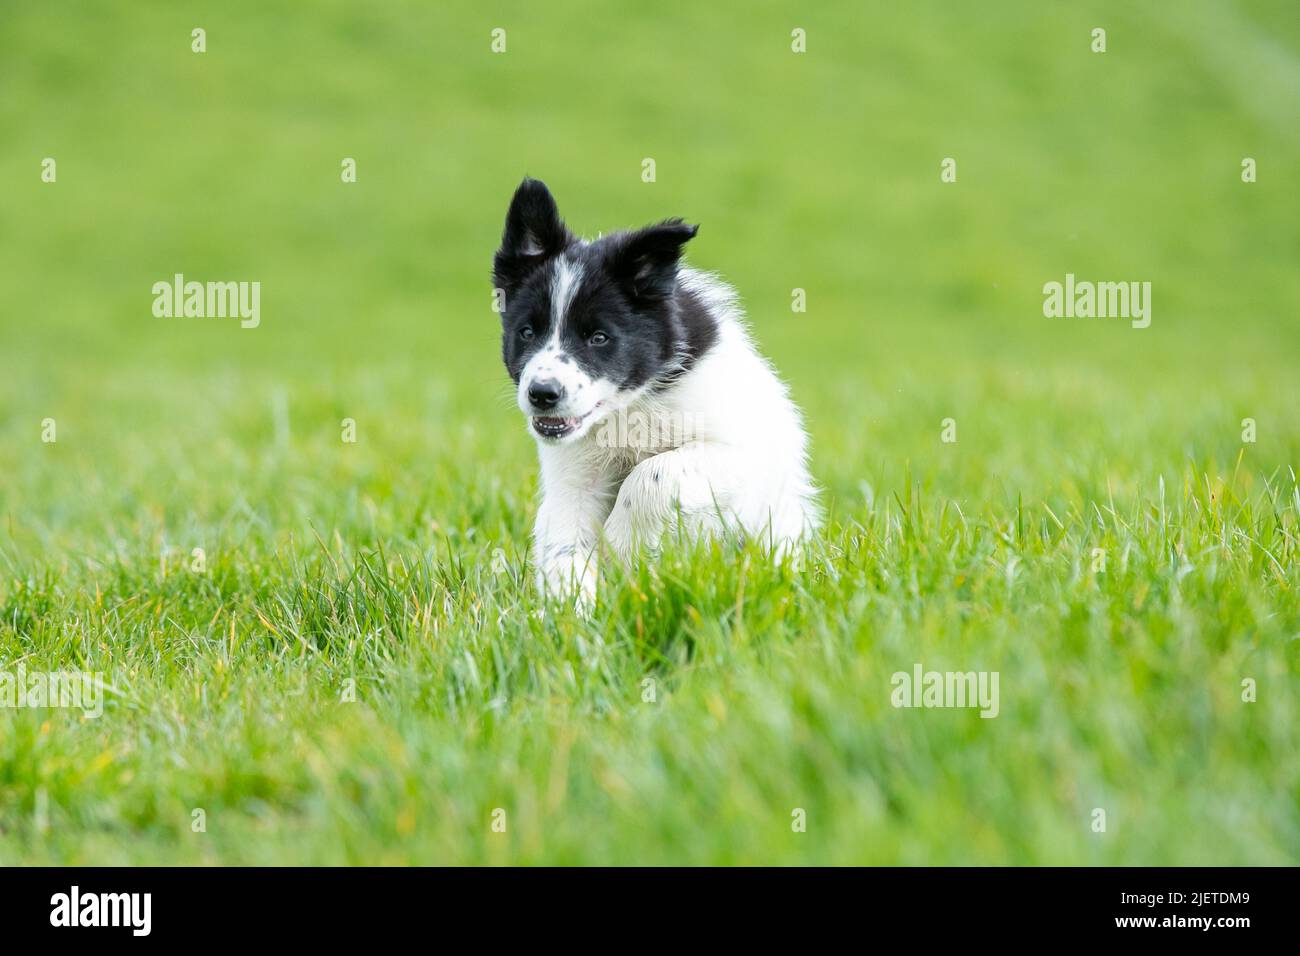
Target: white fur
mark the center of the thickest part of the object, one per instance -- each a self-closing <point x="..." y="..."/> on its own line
<point x="721" y="449"/>
<point x="564" y="283"/>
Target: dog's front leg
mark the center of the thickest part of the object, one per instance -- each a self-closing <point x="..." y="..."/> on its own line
<point x="689" y="487"/>
<point x="575" y="503"/>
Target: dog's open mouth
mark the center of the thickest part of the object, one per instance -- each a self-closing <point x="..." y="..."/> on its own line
<point x="554" y="427"/>
<point x="551" y="427"/>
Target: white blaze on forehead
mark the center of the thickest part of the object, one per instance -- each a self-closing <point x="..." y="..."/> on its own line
<point x="564" y="283"/>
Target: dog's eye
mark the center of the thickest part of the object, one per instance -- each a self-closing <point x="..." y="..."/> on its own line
<point x="597" y="338"/>
<point x="526" y="333"/>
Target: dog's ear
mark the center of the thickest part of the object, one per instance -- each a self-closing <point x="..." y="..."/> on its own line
<point x="645" y="262"/>
<point x="534" y="232"/>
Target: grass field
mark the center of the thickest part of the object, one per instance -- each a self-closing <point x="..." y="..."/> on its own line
<point x="1099" y="534"/>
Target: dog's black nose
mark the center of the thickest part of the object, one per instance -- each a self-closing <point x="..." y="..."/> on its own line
<point x="545" y="394"/>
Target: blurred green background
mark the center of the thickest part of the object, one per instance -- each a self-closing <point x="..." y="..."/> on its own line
<point x="817" y="170"/>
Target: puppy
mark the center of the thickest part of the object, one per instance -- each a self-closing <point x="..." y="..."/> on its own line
<point x="654" y="414"/>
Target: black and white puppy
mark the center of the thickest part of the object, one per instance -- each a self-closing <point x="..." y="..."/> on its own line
<point x="652" y="410"/>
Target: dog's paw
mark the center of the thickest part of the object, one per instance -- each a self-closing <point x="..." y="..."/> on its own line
<point x="583" y="600"/>
<point x="570" y="580"/>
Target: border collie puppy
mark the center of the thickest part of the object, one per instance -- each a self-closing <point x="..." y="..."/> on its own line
<point x="652" y="410"/>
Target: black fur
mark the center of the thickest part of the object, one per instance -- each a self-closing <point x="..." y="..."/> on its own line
<point x="629" y="290"/>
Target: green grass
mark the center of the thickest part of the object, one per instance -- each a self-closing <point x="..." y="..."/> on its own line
<point x="397" y="565"/>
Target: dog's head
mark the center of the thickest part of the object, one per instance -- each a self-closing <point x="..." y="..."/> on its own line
<point x="587" y="327"/>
